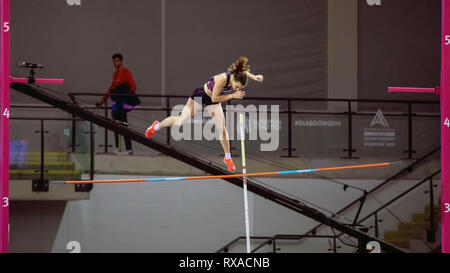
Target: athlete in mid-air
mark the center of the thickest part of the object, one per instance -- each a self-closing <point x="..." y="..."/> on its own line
<point x="219" y="88"/>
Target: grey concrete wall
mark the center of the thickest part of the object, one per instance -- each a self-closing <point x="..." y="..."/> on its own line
<point x="174" y="46"/>
<point x="35" y="225"/>
<point x="76" y="43"/>
<point x="399" y="45"/>
<point x="342" y="51"/>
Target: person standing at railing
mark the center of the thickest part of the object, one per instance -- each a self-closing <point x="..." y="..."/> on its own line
<point x="122" y="93"/>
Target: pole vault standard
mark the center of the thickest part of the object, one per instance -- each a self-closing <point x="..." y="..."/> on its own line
<point x="444" y="92"/>
<point x="4" y="127"/>
<point x="5" y="113"/>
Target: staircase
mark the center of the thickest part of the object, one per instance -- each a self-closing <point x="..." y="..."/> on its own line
<point x="415" y="229"/>
<point x="57" y="166"/>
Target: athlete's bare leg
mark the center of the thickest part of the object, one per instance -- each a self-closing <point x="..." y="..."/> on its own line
<point x="218" y="118"/>
<point x="188" y="111"/>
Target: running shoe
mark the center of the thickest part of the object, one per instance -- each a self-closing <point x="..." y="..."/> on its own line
<point x="230" y="164"/>
<point x="151" y="130"/>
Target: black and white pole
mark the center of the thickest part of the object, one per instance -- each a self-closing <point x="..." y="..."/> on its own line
<point x="244" y="178"/>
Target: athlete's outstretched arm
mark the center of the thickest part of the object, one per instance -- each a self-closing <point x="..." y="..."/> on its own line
<point x="258" y="78"/>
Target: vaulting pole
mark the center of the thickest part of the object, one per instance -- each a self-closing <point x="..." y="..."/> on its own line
<point x="244" y="178"/>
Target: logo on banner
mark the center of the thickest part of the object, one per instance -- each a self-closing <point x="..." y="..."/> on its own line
<point x="379" y="119"/>
<point x="318" y="123"/>
<point x="379" y="134"/>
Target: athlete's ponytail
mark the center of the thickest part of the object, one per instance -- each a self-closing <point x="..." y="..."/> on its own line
<point x="240" y="65"/>
<point x="239" y="68"/>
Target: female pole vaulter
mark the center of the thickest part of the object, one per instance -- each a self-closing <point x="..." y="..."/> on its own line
<point x="217" y="89"/>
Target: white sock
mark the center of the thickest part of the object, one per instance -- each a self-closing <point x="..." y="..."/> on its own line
<point x="157" y="127"/>
<point x="227" y="156"/>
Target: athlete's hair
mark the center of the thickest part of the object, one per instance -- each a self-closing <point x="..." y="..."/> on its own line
<point x="118" y="55"/>
<point x="239" y="68"/>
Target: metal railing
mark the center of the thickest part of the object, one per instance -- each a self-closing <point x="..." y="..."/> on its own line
<point x="272" y="241"/>
<point x="431" y="231"/>
<point x="375" y="214"/>
<point x="350" y="113"/>
<point x="399" y="174"/>
<point x="42" y="184"/>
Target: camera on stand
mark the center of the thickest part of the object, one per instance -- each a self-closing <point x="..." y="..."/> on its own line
<point x="31" y="68"/>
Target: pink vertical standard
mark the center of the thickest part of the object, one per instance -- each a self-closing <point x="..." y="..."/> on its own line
<point x="445" y="132"/>
<point x="4" y="126"/>
<point x="444" y="92"/>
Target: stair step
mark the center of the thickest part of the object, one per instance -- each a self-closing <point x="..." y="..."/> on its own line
<point x="416" y="225"/>
<point x="415" y="229"/>
<point x="403" y="234"/>
<point x="50" y="175"/>
<point x="437" y="208"/>
<point x="402" y="243"/>
<point x="48" y="165"/>
<point x="424" y="217"/>
<point x="36" y="156"/>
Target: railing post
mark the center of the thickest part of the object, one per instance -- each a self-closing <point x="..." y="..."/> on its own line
<point x="274" y="245"/>
<point x="431" y="233"/>
<point x="361" y="201"/>
<point x="42" y="151"/>
<point x="376" y="225"/>
<point x="334" y="245"/>
<point x="168" y="114"/>
<point x="92" y="151"/>
<point x="410" y="133"/>
<point x="350" y="149"/>
<point x="106" y="130"/>
<point x="41" y="185"/>
<point x="74" y="126"/>
<point x="289" y="126"/>
<point x="105" y="113"/>
<point x="74" y="131"/>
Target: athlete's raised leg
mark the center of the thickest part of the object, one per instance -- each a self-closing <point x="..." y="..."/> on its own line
<point x="188" y="111"/>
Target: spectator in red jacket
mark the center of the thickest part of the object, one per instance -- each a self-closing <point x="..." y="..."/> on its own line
<point x="123" y="84"/>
